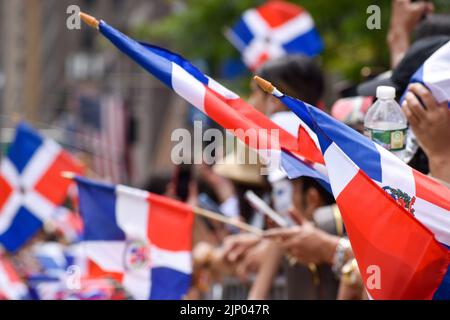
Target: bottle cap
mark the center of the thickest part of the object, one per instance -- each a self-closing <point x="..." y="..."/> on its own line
<point x="385" y="92"/>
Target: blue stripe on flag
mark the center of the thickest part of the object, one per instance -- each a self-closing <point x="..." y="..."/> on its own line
<point x="98" y="209"/>
<point x="242" y="31"/>
<point x="418" y="76"/>
<point x="23" y="227"/>
<point x="301" y="110"/>
<point x="169" y="284"/>
<point x="157" y="65"/>
<point x="48" y="263"/>
<point x="179" y="60"/>
<point x="24" y="146"/>
<point x="359" y="148"/>
<point x="296" y="168"/>
<point x="309" y="43"/>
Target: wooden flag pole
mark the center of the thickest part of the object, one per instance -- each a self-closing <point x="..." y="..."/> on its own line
<point x="202" y="212"/>
<point x="264" y="84"/>
<point x="237" y="223"/>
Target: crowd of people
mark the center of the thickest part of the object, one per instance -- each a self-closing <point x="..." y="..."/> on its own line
<point x="312" y="255"/>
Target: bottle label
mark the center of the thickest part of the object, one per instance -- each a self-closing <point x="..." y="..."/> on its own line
<point x="392" y="140"/>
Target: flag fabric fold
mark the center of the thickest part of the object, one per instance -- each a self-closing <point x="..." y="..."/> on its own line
<point x="397" y="219"/>
<point x="220" y="104"/>
<point x="435" y="74"/>
<point x="31" y="185"/>
<point x="142" y="240"/>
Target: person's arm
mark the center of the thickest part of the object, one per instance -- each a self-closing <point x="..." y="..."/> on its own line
<point x="405" y="15"/>
<point x="351" y="286"/>
<point x="222" y="187"/>
<point x="267" y="271"/>
<point x="430" y="123"/>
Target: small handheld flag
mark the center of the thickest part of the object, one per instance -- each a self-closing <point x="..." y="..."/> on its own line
<point x="142" y="240"/>
<point x="273" y="30"/>
<point x="31" y="185"/>
<point x="220" y="104"/>
<point x="397" y="219"/>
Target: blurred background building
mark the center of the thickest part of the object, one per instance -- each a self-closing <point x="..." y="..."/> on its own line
<point x="85" y="94"/>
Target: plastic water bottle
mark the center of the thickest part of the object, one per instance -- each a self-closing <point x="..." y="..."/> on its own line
<point x="386" y="124"/>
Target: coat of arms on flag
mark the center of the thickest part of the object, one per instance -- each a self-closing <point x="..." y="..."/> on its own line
<point x="31" y="185"/>
<point x="273" y="30"/>
<point x="141" y="240"/>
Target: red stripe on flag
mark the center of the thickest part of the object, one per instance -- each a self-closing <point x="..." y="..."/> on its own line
<point x="170" y="224"/>
<point x="308" y="146"/>
<point x="52" y="185"/>
<point x="431" y="191"/>
<point x="94" y="271"/>
<point x="411" y="262"/>
<point x="276" y="13"/>
<point x="5" y="192"/>
<point x="233" y="114"/>
<point x="10" y="271"/>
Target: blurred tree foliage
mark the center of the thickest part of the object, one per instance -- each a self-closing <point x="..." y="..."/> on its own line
<point x="196" y="29"/>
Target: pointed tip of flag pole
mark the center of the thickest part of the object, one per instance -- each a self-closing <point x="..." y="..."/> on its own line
<point x="68" y="175"/>
<point x="267" y="86"/>
<point x="264" y="84"/>
<point x="89" y="20"/>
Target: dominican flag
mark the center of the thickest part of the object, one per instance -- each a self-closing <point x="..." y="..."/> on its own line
<point x="435" y="74"/>
<point x="275" y="144"/>
<point x="397" y="219"/>
<point x="31" y="185"/>
<point x="273" y="30"/>
<point x="12" y="286"/>
<point x="142" y="240"/>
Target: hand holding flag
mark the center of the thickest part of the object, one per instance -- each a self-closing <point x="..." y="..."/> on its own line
<point x="430" y="122"/>
<point x="435" y="74"/>
<point x="372" y="189"/>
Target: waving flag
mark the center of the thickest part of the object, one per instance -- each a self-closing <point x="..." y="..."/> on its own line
<point x="11" y="285"/>
<point x="273" y="30"/>
<point x="290" y="164"/>
<point x="397" y="218"/>
<point x="31" y="185"/>
<point x="220" y="104"/>
<point x="142" y="240"/>
<point x="435" y="74"/>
